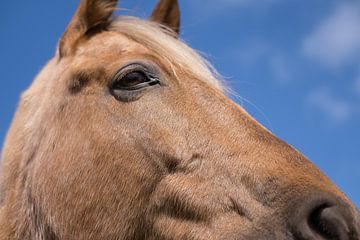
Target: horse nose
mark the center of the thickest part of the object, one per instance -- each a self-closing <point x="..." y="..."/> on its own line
<point x="324" y="218"/>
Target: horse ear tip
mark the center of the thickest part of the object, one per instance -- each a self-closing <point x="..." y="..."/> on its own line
<point x="167" y="12"/>
<point x="90" y="14"/>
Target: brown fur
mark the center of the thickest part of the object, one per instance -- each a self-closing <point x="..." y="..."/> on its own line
<point x="181" y="162"/>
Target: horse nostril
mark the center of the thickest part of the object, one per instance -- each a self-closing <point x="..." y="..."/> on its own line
<point x="321" y="218"/>
<point x="329" y="223"/>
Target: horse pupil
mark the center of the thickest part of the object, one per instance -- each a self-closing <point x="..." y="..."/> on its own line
<point x="133" y="79"/>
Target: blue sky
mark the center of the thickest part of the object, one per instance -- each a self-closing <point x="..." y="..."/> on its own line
<point x="295" y="64"/>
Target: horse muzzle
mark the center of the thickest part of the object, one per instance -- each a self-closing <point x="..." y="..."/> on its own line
<point x="324" y="217"/>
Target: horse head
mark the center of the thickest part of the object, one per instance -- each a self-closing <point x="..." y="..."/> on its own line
<point x="127" y="133"/>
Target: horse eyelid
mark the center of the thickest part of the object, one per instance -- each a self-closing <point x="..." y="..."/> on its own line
<point x="148" y="70"/>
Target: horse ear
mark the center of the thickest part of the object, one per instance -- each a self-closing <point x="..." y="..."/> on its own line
<point x="167" y="12"/>
<point x="90" y="15"/>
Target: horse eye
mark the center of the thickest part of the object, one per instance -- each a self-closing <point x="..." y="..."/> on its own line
<point x="128" y="84"/>
<point x="132" y="81"/>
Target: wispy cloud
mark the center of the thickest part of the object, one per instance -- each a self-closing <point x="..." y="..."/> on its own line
<point x="249" y="55"/>
<point x="216" y="7"/>
<point x="241" y="2"/>
<point x="278" y="64"/>
<point x="336" y="41"/>
<point x="357" y="85"/>
<point x="281" y="69"/>
<point x="336" y="109"/>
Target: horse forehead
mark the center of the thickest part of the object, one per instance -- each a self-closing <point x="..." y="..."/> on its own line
<point x="110" y="43"/>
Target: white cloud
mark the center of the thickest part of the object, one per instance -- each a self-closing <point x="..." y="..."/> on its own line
<point x="336" y="109"/>
<point x="336" y="41"/>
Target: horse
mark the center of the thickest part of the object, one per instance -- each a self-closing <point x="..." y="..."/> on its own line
<point x="128" y="133"/>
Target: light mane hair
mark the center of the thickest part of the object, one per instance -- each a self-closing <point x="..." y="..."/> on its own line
<point x="162" y="41"/>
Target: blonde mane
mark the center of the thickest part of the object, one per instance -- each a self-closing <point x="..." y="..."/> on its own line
<point x="162" y="41"/>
